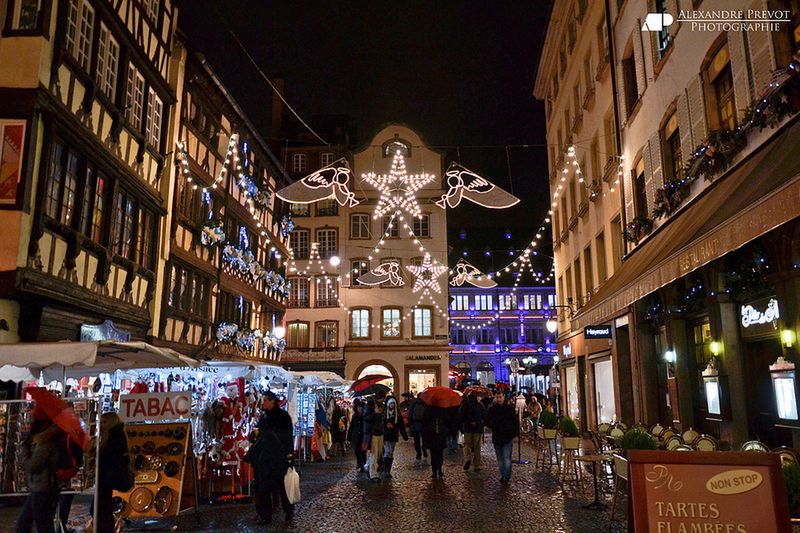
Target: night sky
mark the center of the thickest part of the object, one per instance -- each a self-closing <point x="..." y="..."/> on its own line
<point x="460" y="73"/>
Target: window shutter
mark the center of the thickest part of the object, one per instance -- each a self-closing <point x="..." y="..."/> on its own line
<point x="648" y="177"/>
<point x="629" y="194"/>
<point x="685" y="128"/>
<point x="638" y="56"/>
<point x="741" y="79"/>
<point x="762" y="56"/>
<point x="656" y="162"/>
<point x="623" y="111"/>
<point x="697" y="111"/>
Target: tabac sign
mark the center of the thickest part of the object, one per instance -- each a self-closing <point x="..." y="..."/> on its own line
<point x="155" y="407"/>
<point x="679" y="492"/>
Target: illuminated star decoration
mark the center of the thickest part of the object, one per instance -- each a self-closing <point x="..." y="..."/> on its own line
<point x="383" y="273"/>
<point x="333" y="180"/>
<point x="426" y="275"/>
<point x="465" y="272"/>
<point x="398" y="188"/>
<point x="464" y="183"/>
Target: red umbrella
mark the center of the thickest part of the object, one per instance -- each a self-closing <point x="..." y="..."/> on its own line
<point x="61" y="414"/>
<point x="361" y="384"/>
<point x="440" y="397"/>
<point x="502" y="386"/>
<point x="478" y="390"/>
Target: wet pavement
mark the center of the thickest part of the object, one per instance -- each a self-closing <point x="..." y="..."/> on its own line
<point x="337" y="499"/>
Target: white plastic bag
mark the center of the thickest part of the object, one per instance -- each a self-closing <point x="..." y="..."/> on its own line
<point x="291" y="481"/>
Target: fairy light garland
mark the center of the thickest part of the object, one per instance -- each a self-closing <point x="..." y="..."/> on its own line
<point x="398" y="188"/>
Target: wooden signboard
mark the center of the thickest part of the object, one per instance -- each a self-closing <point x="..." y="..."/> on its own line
<point x="164" y="470"/>
<point x="719" y="492"/>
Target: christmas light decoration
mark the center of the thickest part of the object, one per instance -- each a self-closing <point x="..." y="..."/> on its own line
<point x="333" y="180"/>
<point x="398" y="188"/>
<point x="468" y="273"/>
<point x="426" y="275"/>
<point x="464" y="183"/>
<point x="384" y="273"/>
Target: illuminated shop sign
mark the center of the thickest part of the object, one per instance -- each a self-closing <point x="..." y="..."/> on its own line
<point x="597" y="332"/>
<point x="752" y="316"/>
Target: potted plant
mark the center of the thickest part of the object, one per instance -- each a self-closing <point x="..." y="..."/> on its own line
<point x="791" y="478"/>
<point x="634" y="439"/>
<point x="570" y="436"/>
<point x="549" y="424"/>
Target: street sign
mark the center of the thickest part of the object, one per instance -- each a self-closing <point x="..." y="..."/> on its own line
<point x="597" y="332"/>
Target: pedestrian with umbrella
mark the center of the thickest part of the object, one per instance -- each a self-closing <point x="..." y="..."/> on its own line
<point x="437" y="424"/>
<point x="355" y="435"/>
<point x="470" y="416"/>
<point x="502" y="419"/>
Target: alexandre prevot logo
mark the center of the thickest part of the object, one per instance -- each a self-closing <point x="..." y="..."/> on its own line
<point x="720" y="20"/>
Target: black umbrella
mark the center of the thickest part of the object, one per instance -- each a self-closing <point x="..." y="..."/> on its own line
<point x="375" y="388"/>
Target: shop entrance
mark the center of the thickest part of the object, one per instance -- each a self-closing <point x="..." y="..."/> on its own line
<point x="420" y="378"/>
<point x="761" y="415"/>
<point x="604" y="391"/>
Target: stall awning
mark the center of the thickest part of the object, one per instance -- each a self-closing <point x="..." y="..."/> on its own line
<point x="760" y="194"/>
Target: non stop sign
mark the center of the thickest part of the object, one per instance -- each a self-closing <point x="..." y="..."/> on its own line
<point x="155" y="406"/>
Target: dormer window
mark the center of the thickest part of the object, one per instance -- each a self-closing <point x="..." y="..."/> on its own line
<point x="395" y="146"/>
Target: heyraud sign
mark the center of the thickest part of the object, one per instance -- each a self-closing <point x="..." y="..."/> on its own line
<point x="597" y="332"/>
<point x="714" y="492"/>
<point x="155" y="406"/>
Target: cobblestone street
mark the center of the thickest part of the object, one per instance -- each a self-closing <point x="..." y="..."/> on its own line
<point x="337" y="499"/>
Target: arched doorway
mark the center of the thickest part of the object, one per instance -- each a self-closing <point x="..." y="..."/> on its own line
<point x="377" y="368"/>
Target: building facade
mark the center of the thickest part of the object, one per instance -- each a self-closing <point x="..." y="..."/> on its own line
<point x="490" y="327"/>
<point x="703" y="308"/>
<point x="383" y="328"/>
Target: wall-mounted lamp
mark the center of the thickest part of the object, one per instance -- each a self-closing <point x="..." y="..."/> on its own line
<point x="716" y="348"/>
<point x="787" y="336"/>
<point x="711" y="384"/>
<point x="556" y="359"/>
<point x="551" y="325"/>
<point x="670" y="357"/>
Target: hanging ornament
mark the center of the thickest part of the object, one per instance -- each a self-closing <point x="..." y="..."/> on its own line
<point x="383" y="273"/>
<point x="464" y="183"/>
<point x="468" y="273"/>
<point x="333" y="180"/>
<point x="398" y="188"/>
<point x="426" y="275"/>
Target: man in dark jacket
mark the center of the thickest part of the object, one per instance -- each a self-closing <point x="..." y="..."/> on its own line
<point x="355" y="434"/>
<point x="502" y="419"/>
<point x="393" y="427"/>
<point x="416" y="413"/>
<point x="434" y="437"/>
<point x="274" y="456"/>
<point x="470" y="416"/>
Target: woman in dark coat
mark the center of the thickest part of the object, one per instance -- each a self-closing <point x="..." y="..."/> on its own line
<point x="393" y="428"/>
<point x="434" y="437"/>
<point x="355" y="434"/>
<point x="113" y="469"/>
<point x="338" y="430"/>
<point x="273" y="455"/>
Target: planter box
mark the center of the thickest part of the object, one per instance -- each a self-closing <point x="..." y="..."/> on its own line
<point x="570" y="443"/>
<point x="621" y="466"/>
<point x="549" y="433"/>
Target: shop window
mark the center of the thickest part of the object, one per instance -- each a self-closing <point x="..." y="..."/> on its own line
<point x="422" y="226"/>
<point x="629" y="80"/>
<point x="723" y="105"/>
<point x="298" y="294"/>
<point x="359" y="226"/>
<point x="423" y="322"/>
<point x="297" y="335"/>
<point x="671" y="140"/>
<point x="604" y="387"/>
<point x="325" y="334"/>
<point x="300" y="245"/>
<point x="358" y="267"/>
<point x="327" y="290"/>
<point x="327" y="208"/>
<point x="134" y="97"/>
<point x="327" y="243"/>
<point x="80" y="29"/>
<point x="107" y="62"/>
<point x="299" y="163"/>
<point x="360" y="324"/>
<point x="639" y="190"/>
<point x="391" y="322"/>
<point x="389" y="228"/>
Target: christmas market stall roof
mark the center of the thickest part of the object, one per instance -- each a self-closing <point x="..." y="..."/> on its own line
<point x="757" y="195"/>
<point x="84" y="358"/>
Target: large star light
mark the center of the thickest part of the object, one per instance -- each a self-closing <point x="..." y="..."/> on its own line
<point x="426" y="275"/>
<point x="398" y="188"/>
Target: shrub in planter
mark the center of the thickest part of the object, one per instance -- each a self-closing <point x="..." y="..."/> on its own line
<point x="791" y="478"/>
<point x="638" y="439"/>
<point x="570" y="436"/>
<point x="549" y="424"/>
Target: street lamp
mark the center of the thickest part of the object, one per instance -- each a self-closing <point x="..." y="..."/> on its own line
<point x="279" y="331"/>
<point x="335" y="261"/>
<point x="551" y="325"/>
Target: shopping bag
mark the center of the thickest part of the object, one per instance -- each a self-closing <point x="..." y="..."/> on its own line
<point x="291" y="482"/>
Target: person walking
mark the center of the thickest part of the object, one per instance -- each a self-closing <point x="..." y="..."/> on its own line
<point x="470" y="417"/>
<point x="393" y="427"/>
<point x="40" y="456"/>
<point x="114" y="469"/>
<point x="355" y="435"/>
<point x="453" y="428"/>
<point x="338" y="430"/>
<point x="373" y="430"/>
<point x="434" y="437"/>
<point x="502" y="419"/>
<point x="416" y="414"/>
<point x="273" y="456"/>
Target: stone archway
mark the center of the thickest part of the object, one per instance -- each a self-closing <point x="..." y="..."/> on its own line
<point x="378" y="362"/>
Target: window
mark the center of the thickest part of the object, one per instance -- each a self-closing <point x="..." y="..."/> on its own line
<point x="396" y="146"/>
<point x="629" y="80"/>
<point x="189" y="200"/>
<point x="134" y="98"/>
<point x="509" y="335"/>
<point x="616" y="243"/>
<point x="532" y="301"/>
<point x="151" y="9"/>
<point x="602" y="38"/>
<point x="327" y="208"/>
<point x="579" y="296"/>
<point x="483" y="302"/>
<point x="702" y="354"/>
<point x="70" y="189"/>
<point x="358" y="267"/>
<point x="359" y="324"/>
<point x="327" y="243"/>
<point x="793" y="6"/>
<point x="484" y="336"/>
<point x="721" y="80"/>
<point x="325" y="334"/>
<point x="672" y="148"/>
<point x="609" y="133"/>
<point x="300" y="210"/>
<point x="423" y="318"/>
<point x="125" y="218"/>
<point x="26" y="14"/>
<point x="359" y="226"/>
<point x="298" y="293"/>
<point x="94" y="201"/>
<point x="55" y="177"/>
<point x="508" y="302"/>
<point x="389" y="228"/>
<point x="588" y="73"/>
<point x="189" y="291"/>
<point x="325" y="159"/>
<point x="80" y="28"/>
<point x="422" y="226"/>
<point x="458" y="336"/>
<point x="327" y="290"/>
<point x="297" y="335"/>
<point x="390" y="322"/>
<point x="415" y="261"/>
<point x="155" y="109"/>
<point x="568" y="280"/>
<point x="107" y="62"/>
<point x="460" y="302"/>
<point x="600" y="249"/>
<point x="299" y="241"/>
<point x="663" y="37"/>
<point x="640" y="191"/>
<point x="299" y="163"/>
<point x="145" y="237"/>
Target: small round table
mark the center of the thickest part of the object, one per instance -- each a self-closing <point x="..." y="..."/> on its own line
<point x="595" y="459"/>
